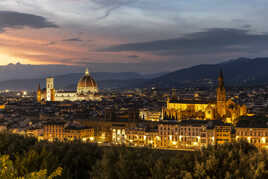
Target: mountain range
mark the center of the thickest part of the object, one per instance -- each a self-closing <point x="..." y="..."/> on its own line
<point x="237" y="72"/>
<point x="69" y="81"/>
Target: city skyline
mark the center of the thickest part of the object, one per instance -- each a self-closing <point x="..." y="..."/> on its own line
<point x="169" y="36"/>
<point x="133" y="89"/>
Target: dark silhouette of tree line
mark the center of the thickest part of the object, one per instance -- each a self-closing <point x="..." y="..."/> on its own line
<point x="81" y="160"/>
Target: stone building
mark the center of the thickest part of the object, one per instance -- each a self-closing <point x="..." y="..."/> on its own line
<point x="254" y="131"/>
<point x="87" y="90"/>
<point x="225" y="109"/>
<point x="62" y="132"/>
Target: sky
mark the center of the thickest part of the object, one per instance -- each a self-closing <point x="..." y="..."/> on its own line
<point x="138" y="35"/>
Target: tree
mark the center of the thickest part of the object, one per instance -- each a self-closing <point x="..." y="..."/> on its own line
<point x="7" y="171"/>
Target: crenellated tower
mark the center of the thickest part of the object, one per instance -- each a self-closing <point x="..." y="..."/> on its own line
<point x="221" y="96"/>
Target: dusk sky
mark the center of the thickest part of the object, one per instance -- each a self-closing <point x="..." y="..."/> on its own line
<point x="161" y="35"/>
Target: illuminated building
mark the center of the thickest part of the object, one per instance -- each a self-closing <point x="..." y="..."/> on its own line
<point x="86" y="90"/>
<point x="108" y="131"/>
<point x="184" y="134"/>
<point x="142" y="137"/>
<point x="226" y="110"/>
<point x="118" y="133"/>
<point x="54" y="131"/>
<point x="255" y="136"/>
<point x="150" y="115"/>
<point x="223" y="134"/>
<point x="193" y="134"/>
<point x="37" y="133"/>
<point x="254" y="132"/>
<point x="219" y="133"/>
<point x="59" y="131"/>
<point x="79" y="133"/>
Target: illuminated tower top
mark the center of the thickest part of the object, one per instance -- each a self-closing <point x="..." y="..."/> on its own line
<point x="87" y="72"/>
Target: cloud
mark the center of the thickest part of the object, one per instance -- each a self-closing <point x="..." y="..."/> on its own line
<point x="11" y="19"/>
<point x="211" y="41"/>
<point x="133" y="56"/>
<point x="111" y="5"/>
<point x="72" y="40"/>
<point x="247" y="26"/>
<point x="50" y="43"/>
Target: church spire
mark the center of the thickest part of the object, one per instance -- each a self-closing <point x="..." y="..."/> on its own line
<point x="221" y="80"/>
<point x="221" y="96"/>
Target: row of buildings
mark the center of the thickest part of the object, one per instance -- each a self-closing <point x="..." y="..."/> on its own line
<point x="136" y="119"/>
<point x="62" y="132"/>
<point x="183" y="135"/>
<point x="227" y="110"/>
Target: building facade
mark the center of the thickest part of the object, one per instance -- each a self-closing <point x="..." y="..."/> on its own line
<point x="87" y="90"/>
<point x="254" y="132"/>
<point x="60" y="131"/>
<point x="226" y="110"/>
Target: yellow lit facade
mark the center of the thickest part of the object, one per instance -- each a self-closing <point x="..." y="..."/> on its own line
<point x="222" y="134"/>
<point x="226" y="110"/>
<point x="84" y="134"/>
<point x="140" y="137"/>
<point x="150" y="115"/>
<point x="255" y="136"/>
<point x="186" y="135"/>
<point x="57" y="131"/>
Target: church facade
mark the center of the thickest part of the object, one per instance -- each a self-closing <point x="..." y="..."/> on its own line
<point x="87" y="90"/>
<point x="225" y="109"/>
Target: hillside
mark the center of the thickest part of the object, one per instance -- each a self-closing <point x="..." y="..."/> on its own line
<point x="69" y="81"/>
<point x="239" y="72"/>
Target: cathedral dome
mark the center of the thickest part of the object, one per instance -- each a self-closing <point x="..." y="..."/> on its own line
<point x="87" y="84"/>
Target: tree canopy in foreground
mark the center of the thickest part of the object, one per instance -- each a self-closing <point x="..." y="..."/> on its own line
<point x="27" y="157"/>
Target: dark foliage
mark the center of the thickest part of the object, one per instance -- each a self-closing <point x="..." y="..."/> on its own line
<point x="80" y="160"/>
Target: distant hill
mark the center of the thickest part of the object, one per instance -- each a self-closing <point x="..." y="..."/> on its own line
<point x="104" y="80"/>
<point x="239" y="72"/>
<point x="21" y="71"/>
<point x="26" y="71"/>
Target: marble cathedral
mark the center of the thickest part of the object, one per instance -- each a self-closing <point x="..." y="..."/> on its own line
<point x="225" y="109"/>
<point x="87" y="90"/>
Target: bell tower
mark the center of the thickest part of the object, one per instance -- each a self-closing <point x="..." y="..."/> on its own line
<point x="221" y="96"/>
<point x="50" y="89"/>
<point x="39" y="94"/>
